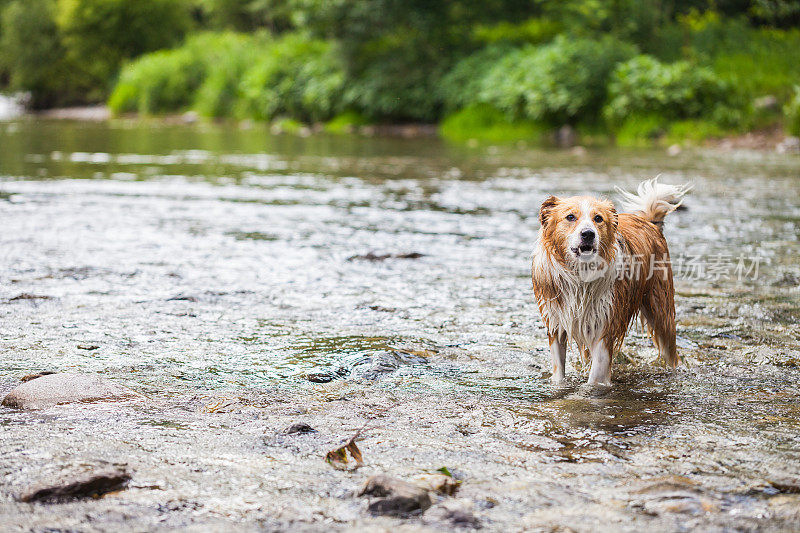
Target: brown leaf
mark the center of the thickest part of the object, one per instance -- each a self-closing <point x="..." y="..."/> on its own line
<point x="338" y="458"/>
<point x="355" y="453"/>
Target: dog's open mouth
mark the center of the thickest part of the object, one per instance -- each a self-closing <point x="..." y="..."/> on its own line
<point x="584" y="249"/>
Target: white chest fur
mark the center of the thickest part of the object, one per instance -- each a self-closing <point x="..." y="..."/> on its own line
<point x="582" y="308"/>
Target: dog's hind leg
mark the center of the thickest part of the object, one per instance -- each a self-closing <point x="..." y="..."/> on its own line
<point x="658" y="309"/>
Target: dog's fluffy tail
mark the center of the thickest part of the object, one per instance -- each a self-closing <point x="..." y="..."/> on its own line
<point x="654" y="200"/>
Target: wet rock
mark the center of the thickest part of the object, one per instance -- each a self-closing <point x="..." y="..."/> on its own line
<point x="88" y="347"/>
<point x="786" y="484"/>
<point x="91" y="484"/>
<point x="52" y="389"/>
<point x="34" y="376"/>
<point x="28" y="296"/>
<point x="182" y="298"/>
<point x="674" y="494"/>
<point x="395" y="497"/>
<point x="299" y="428"/>
<point x="320" y="378"/>
<point x="453" y="514"/>
<point x="372" y="256"/>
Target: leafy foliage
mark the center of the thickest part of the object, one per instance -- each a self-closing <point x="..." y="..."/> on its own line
<point x="32" y="54"/>
<point x="644" y="85"/>
<point x="559" y="82"/>
<point x="100" y="34"/>
<point x="295" y="76"/>
<point x="235" y="74"/>
<point x="167" y="80"/>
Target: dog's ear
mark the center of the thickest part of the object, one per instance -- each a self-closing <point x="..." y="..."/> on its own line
<point x="546" y="209"/>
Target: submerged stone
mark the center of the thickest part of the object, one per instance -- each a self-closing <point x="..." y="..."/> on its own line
<point x="53" y="389"/>
<point x="395" y="496"/>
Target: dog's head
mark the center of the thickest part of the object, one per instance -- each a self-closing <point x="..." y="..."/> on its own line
<point x="580" y="229"/>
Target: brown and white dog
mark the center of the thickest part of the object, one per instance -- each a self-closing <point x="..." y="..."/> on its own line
<point x="595" y="270"/>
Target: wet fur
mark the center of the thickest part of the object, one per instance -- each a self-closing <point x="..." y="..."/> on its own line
<point x="596" y="314"/>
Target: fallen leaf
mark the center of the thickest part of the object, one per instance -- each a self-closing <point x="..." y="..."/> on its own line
<point x="338" y="458"/>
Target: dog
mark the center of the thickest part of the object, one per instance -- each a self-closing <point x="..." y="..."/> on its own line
<point x="594" y="270"/>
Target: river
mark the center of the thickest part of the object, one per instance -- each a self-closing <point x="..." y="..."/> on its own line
<point x="244" y="282"/>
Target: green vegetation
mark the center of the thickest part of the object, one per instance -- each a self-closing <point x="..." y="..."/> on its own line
<point x="483" y="122"/>
<point x="496" y="70"/>
<point x="792" y="110"/>
<point x="561" y="82"/>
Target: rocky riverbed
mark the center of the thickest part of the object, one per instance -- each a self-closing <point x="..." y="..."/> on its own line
<point x="268" y="298"/>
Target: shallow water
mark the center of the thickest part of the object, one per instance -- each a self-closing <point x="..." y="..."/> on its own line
<point x="219" y="269"/>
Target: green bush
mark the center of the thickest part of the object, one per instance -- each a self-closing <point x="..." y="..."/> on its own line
<point x="225" y="59"/>
<point x="397" y="81"/>
<point x="757" y="61"/>
<point x="100" y="34"/>
<point x="295" y="76"/>
<point x="464" y="81"/>
<point x="227" y="74"/>
<point x="645" y="86"/>
<point x="169" y="79"/>
<point x="346" y="122"/>
<point x="561" y="82"/>
<point x="792" y="110"/>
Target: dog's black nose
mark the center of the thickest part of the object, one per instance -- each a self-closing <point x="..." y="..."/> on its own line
<point x="587" y="235"/>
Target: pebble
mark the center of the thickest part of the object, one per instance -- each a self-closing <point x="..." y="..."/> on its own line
<point x="300" y="428"/>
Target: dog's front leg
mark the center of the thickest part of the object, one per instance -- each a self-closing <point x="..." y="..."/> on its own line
<point x="558" y="355"/>
<point x="600" y="373"/>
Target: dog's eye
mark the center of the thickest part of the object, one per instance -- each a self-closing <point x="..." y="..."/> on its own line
<point x="571" y="217"/>
<point x="598" y="219"/>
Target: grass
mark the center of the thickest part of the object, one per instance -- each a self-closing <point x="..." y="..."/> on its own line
<point x="482" y="122"/>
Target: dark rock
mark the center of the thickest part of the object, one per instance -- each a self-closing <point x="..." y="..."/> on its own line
<point x="182" y="298"/>
<point x="34" y="376"/>
<point x="88" y="485"/>
<point x="52" y="389"/>
<point x="320" y="378"/>
<point x="28" y="296"/>
<point x="383" y="309"/>
<point x="300" y="428"/>
<point x="372" y="256"/>
<point x="88" y="347"/>
<point x="395" y="496"/>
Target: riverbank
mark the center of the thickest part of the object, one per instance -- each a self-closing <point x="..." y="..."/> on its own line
<point x="773" y="139"/>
